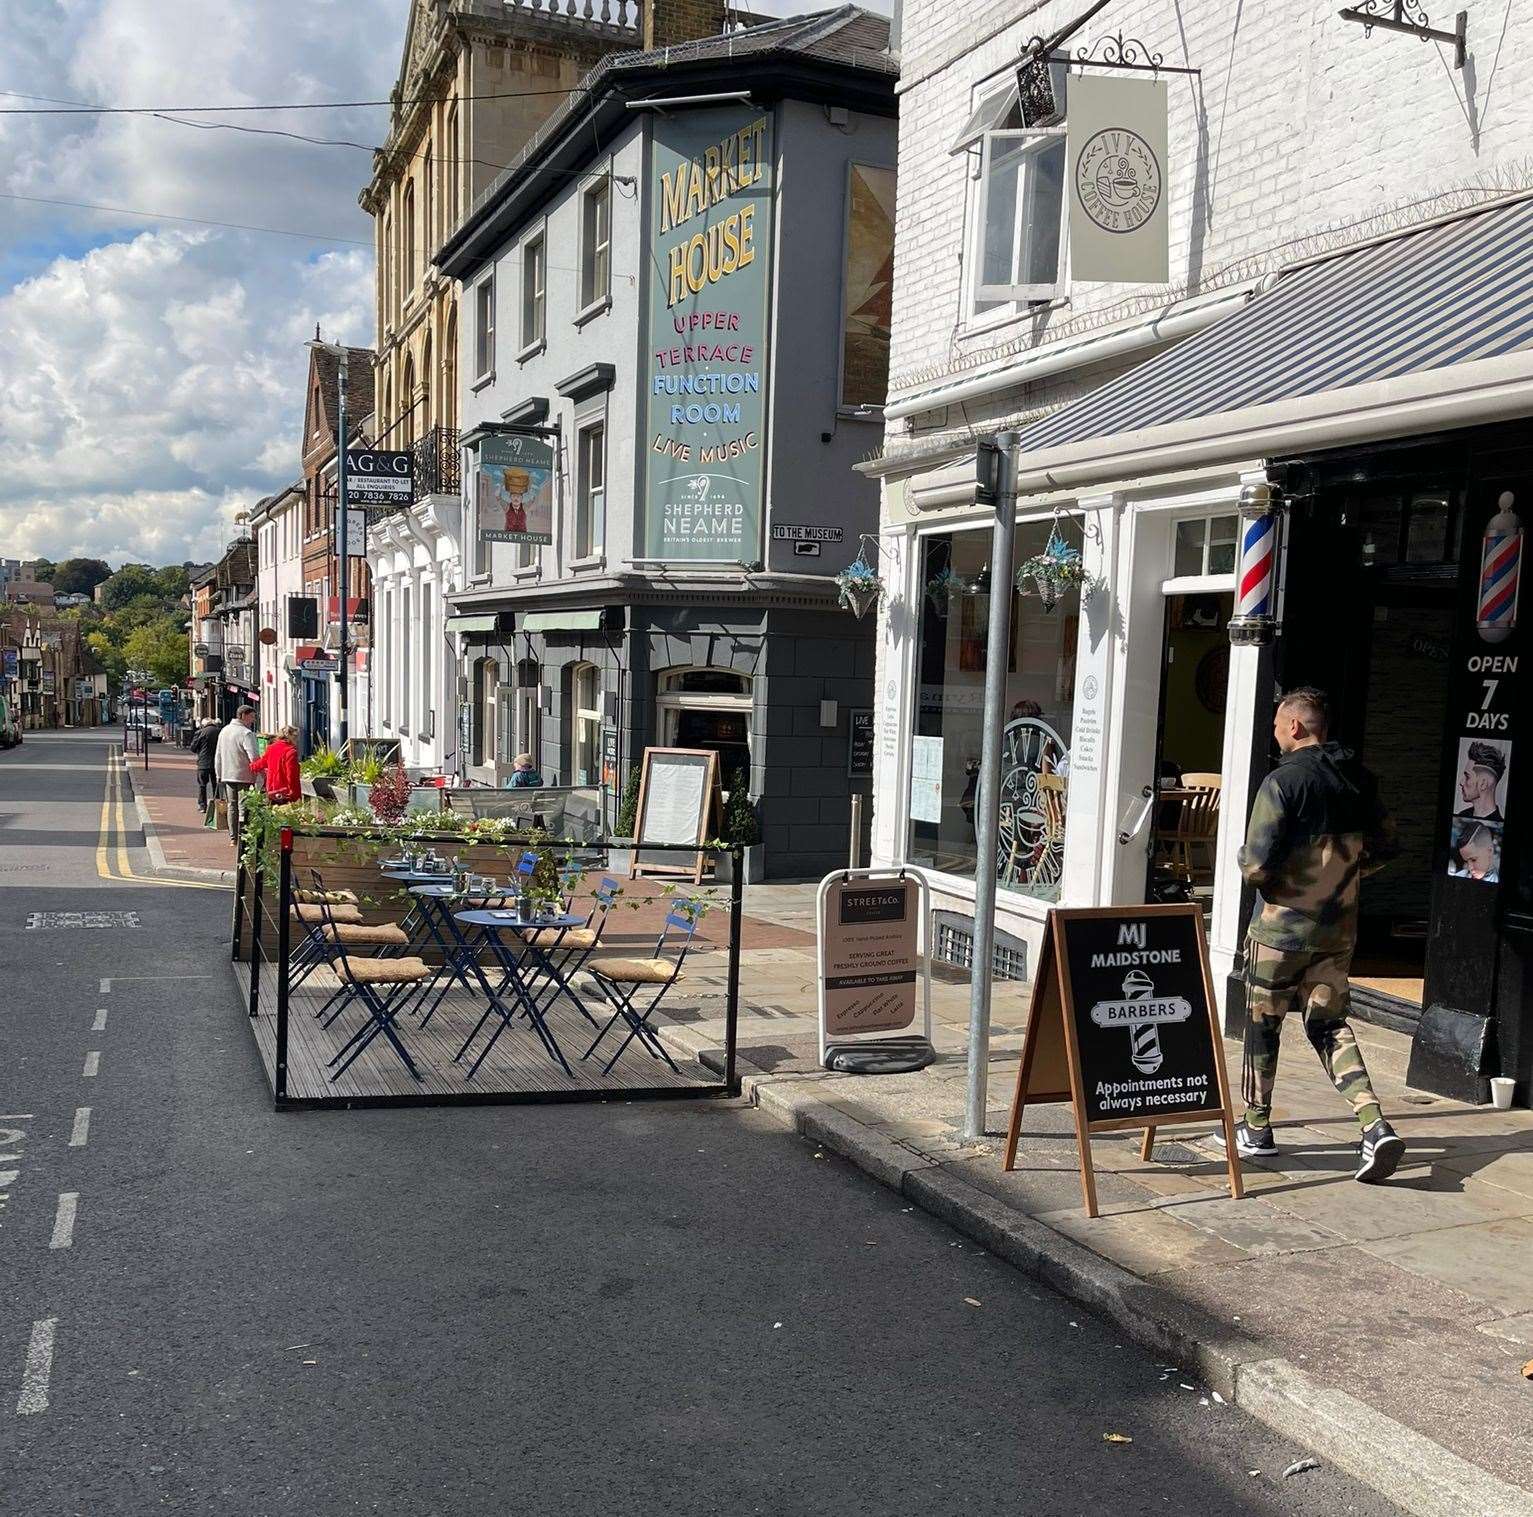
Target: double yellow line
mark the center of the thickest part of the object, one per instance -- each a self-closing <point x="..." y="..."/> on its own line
<point x="112" y="837"/>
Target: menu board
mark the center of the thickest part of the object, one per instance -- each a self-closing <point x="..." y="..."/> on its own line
<point x="859" y="764"/>
<point x="1122" y="1025"/>
<point x="677" y="791"/>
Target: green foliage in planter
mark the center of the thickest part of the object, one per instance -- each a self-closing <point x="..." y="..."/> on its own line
<point x="323" y="764"/>
<point x="628" y="811"/>
<point x="742" y="826"/>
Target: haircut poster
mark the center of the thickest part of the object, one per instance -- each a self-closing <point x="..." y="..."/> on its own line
<point x="514" y="489"/>
<point x="708" y="275"/>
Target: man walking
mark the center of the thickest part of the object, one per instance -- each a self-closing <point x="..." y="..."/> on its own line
<point x="237" y="747"/>
<point x="1316" y="828"/>
<point x="204" y="745"/>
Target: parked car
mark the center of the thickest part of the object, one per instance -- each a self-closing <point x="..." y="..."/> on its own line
<point x="138" y="722"/>
<point x="10" y="726"/>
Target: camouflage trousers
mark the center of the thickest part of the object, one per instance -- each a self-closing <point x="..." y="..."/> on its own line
<point x="1276" y="982"/>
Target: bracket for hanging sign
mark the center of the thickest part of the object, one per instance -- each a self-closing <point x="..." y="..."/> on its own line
<point x="1120" y="52"/>
<point x="1407" y="16"/>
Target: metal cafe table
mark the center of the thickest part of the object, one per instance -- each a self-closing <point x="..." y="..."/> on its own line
<point x="526" y="969"/>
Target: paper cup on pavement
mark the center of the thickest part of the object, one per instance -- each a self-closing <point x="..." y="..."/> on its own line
<point x="1501" y="1088"/>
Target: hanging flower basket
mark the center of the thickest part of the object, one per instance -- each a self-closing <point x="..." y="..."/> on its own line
<point x="1052" y="573"/>
<point x="941" y="588"/>
<point x="859" y="587"/>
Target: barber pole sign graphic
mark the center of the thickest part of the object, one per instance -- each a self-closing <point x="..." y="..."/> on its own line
<point x="1258" y="564"/>
<point x="1500" y="573"/>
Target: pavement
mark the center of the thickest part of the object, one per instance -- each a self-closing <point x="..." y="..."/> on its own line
<point x="213" y="1307"/>
<point x="1317" y="1303"/>
<point x="178" y="842"/>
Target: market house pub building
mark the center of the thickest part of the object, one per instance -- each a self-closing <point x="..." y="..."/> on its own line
<point x="675" y="349"/>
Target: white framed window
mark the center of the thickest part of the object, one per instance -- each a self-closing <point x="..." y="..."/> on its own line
<point x="528" y="713"/>
<point x="484" y="327"/>
<point x="595" y="242"/>
<point x="591" y="491"/>
<point x="534" y="290"/>
<point x="1019" y="243"/>
<point x="426" y="726"/>
<point x="1204" y="546"/>
<point x="585" y="689"/>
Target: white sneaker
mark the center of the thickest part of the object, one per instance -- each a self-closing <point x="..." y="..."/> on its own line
<point x="1250" y="1142"/>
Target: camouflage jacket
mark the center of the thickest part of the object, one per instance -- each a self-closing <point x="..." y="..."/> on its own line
<point x="1317" y="827"/>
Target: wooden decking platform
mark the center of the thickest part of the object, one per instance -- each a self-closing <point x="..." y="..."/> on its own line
<point x="518" y="1068"/>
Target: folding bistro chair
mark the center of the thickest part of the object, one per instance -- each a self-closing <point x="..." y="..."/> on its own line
<point x="308" y="911"/>
<point x="569" y="950"/>
<point x="621" y="980"/>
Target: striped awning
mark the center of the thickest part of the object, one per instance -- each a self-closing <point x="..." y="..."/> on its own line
<point x="1451" y="294"/>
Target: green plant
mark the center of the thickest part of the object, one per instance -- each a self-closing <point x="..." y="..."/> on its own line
<point x="628" y="810"/>
<point x="742" y="826"/>
<point x="368" y="769"/>
<point x="323" y="764"/>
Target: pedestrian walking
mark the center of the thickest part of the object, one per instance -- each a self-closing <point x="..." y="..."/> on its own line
<point x="204" y="746"/>
<point x="1316" y="829"/>
<point x="237" y="750"/>
<point x="279" y="765"/>
<point x="524" y="773"/>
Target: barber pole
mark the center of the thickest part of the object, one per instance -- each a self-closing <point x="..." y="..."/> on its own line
<point x="1255" y="618"/>
<point x="1500" y="572"/>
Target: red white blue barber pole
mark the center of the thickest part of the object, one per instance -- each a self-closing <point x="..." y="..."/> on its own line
<point x="1500" y="572"/>
<point x="1255" y="618"/>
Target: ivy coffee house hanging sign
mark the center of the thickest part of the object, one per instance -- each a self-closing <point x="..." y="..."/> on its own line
<point x="710" y="181"/>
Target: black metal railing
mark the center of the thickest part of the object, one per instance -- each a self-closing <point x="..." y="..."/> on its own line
<point x="437" y="469"/>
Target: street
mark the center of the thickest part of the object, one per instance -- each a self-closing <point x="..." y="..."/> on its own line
<point x="659" y="1308"/>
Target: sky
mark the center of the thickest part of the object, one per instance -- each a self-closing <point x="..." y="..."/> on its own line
<point x="152" y="371"/>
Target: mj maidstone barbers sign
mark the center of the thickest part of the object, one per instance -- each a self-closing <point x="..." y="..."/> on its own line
<point x="710" y="177"/>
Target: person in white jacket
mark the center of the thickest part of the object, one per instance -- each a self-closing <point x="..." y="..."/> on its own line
<point x="237" y="746"/>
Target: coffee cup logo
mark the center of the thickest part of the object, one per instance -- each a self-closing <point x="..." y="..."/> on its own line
<point x="1118" y="180"/>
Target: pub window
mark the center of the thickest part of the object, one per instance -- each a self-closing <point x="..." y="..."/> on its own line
<point x="484" y="328"/>
<point x="595" y="242"/>
<point x="534" y="290"/>
<point x="952" y="655"/>
<point x="591" y="492"/>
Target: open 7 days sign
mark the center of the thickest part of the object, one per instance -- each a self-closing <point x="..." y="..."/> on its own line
<point x="1123" y="1027"/>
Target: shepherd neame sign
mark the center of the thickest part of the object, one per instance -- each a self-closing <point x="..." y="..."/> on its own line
<point x="711" y="181"/>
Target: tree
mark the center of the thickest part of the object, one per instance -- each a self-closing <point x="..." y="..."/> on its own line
<point x="42" y="570"/>
<point x="128" y="582"/>
<point x="108" y="655"/>
<point x="79" y="576"/>
<point x="174" y="582"/>
<point x="160" y="648"/>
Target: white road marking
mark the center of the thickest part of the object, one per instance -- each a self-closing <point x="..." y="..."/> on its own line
<point x="16" y="1116"/>
<point x="106" y="985"/>
<point x="99" y="1025"/>
<point x="81" y="1129"/>
<point x="38" y="1369"/>
<point x="64" y="1219"/>
<point x="92" y="1064"/>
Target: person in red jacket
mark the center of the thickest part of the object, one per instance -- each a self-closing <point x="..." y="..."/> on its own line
<point x="280" y="766"/>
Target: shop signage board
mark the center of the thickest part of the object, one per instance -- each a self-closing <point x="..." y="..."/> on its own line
<point x="356" y="532"/>
<point x="678" y="795"/>
<point x="1123" y="1026"/>
<point x="9" y="663"/>
<point x="708" y="282"/>
<point x="320" y="664"/>
<point x="379" y="477"/>
<point x="874" y="984"/>
<point x="514" y="478"/>
<point x="1117" y="175"/>
<point x="859" y="758"/>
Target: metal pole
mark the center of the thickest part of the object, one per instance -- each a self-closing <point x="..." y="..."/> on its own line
<point x="345" y="569"/>
<point x="988" y="811"/>
<point x="855" y="854"/>
<point x="732" y="1004"/>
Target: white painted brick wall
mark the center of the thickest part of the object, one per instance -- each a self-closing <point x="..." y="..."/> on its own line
<point x="1298" y="122"/>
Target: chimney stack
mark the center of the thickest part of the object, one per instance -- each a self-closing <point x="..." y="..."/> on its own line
<point x="668" y="22"/>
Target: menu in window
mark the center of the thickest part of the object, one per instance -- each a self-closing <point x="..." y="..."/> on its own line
<point x="926" y="779"/>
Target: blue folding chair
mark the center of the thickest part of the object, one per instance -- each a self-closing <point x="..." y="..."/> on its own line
<point x="571" y="949"/>
<point x="622" y="980"/>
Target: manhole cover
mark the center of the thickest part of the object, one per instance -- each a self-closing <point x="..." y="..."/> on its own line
<point x="55" y="919"/>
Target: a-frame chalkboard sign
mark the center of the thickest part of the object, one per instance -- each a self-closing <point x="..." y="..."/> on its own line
<point x="1123" y="1027"/>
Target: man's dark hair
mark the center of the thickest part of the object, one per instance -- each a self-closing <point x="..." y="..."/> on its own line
<point x="1312" y="706"/>
<point x="1488" y="756"/>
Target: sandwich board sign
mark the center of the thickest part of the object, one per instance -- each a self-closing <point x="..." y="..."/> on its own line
<point x="875" y="988"/>
<point x="1123" y="1027"/>
<point x="678" y="793"/>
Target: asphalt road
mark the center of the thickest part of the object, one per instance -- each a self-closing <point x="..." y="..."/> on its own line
<point x="641" y="1308"/>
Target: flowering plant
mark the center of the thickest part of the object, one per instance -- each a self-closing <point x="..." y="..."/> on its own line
<point x="390" y="794"/>
<point x="859" y="586"/>
<point x="1052" y="572"/>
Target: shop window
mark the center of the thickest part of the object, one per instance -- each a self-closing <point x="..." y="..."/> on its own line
<point x="1206" y="545"/>
<point x="1395" y="528"/>
<point x="952" y="657"/>
<point x="485" y="678"/>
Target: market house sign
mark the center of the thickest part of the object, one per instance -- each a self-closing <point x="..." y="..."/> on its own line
<point x="710" y="175"/>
